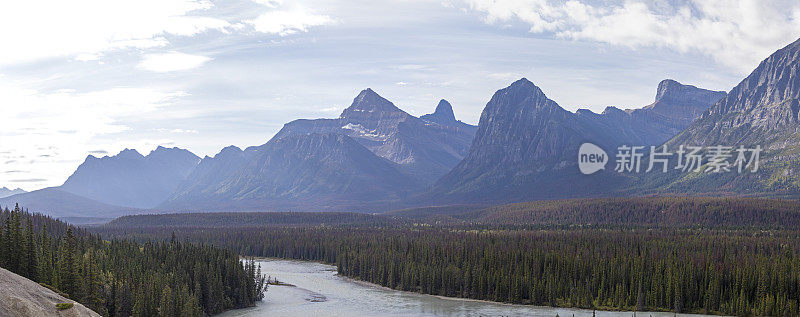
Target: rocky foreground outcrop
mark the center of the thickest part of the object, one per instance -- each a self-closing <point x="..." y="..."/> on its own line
<point x="21" y="297"/>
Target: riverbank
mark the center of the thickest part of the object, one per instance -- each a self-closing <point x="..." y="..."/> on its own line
<point x="349" y="297"/>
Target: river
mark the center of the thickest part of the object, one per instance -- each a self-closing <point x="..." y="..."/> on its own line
<point x="319" y="291"/>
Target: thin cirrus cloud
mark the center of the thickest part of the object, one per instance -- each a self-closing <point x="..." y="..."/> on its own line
<point x="172" y="61"/>
<point x="736" y="34"/>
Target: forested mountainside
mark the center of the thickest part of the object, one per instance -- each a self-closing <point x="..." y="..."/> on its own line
<point x="245" y="219"/>
<point x="682" y="212"/>
<point x="125" y="278"/>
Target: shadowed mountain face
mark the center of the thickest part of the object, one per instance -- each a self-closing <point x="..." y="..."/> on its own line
<point x="309" y="171"/>
<point x="442" y="115"/>
<point x="130" y="179"/>
<point x="761" y="110"/>
<point x="426" y="149"/>
<point x="526" y="145"/>
<point x="445" y="117"/>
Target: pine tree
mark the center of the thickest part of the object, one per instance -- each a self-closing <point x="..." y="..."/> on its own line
<point x="31" y="259"/>
<point x="67" y="272"/>
<point x="167" y="306"/>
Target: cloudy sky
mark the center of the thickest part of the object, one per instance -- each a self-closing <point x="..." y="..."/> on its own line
<point x="97" y="76"/>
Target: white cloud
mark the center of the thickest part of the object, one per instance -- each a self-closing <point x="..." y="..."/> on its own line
<point x="85" y="29"/>
<point x="172" y="61"/>
<point x="285" y="22"/>
<point x="37" y="29"/>
<point x="329" y="109"/>
<point x="737" y="34"/>
<point x="269" y="3"/>
<point x="54" y="131"/>
<point x="179" y="131"/>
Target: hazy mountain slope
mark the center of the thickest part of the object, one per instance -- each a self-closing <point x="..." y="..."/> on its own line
<point x="59" y="203"/>
<point x="310" y="171"/>
<point x="212" y="174"/>
<point x="5" y="192"/>
<point x="22" y="297"/>
<point x="130" y="179"/>
<point x="675" y="107"/>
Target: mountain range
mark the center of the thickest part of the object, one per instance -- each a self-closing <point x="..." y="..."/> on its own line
<point x="111" y="186"/>
<point x="374" y="153"/>
<point x="427" y="147"/>
<point x="5" y="192"/>
<point x="130" y="179"/>
<point x="375" y="156"/>
<point x="526" y="144"/>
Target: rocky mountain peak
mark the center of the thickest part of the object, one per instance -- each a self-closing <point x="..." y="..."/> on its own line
<point x="443" y="114"/>
<point x="674" y="93"/>
<point x="776" y="80"/>
<point x="369" y="103"/>
<point x="171" y="153"/>
<point x="614" y="111"/>
<point x="444" y="111"/>
<point x="230" y="149"/>
<point x="162" y="149"/>
<point x="5" y="192"/>
<point x="516" y="100"/>
<point x="130" y="154"/>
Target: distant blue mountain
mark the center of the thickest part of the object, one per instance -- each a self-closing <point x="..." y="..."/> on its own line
<point x="130" y="179"/>
<point x="5" y="192"/>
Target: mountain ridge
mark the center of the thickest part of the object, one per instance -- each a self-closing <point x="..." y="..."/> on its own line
<point x="130" y="179"/>
<point x="301" y="171"/>
<point x="5" y="192"/>
<point x="526" y="145"/>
